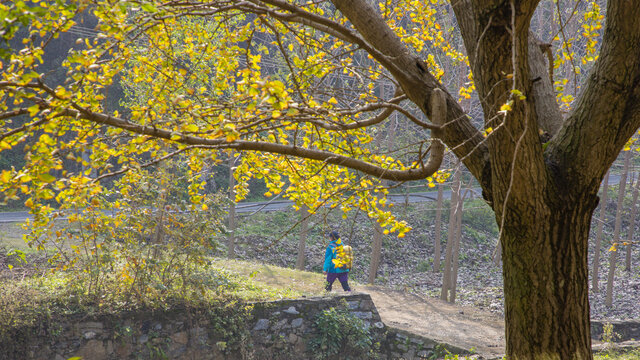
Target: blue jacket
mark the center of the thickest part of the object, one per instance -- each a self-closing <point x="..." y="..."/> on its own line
<point x="329" y="255"/>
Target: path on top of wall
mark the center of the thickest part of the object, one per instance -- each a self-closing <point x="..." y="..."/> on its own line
<point x="460" y="326"/>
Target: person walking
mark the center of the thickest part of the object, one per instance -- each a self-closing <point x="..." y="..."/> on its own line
<point x="329" y="269"/>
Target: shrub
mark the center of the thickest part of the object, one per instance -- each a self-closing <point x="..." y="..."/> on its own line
<point x="338" y="333"/>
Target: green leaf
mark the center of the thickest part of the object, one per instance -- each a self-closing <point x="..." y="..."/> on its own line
<point x="148" y="7"/>
<point x="47" y="178"/>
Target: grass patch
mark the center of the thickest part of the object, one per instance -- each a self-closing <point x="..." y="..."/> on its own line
<point x="618" y="355"/>
<point x="11" y="236"/>
<point x="28" y="301"/>
<point x="302" y="283"/>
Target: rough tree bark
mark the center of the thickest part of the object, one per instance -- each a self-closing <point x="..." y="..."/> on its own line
<point x="543" y="199"/>
<point x="598" y="246"/>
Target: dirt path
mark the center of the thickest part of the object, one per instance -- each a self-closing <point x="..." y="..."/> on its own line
<point x="460" y="326"/>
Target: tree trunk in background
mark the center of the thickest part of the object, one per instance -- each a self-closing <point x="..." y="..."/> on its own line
<point x="632" y="225"/>
<point x="613" y="255"/>
<point x="598" y="245"/>
<point x="304" y="229"/>
<point x="376" y="246"/>
<point x="458" y="239"/>
<point x="446" y="275"/>
<point x="231" y="240"/>
<point x="438" y="231"/>
<point x="376" y="250"/>
<point x="497" y="254"/>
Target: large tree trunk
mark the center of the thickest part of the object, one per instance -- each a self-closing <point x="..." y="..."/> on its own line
<point x="545" y="272"/>
<point x="543" y="196"/>
<point x="596" y="258"/>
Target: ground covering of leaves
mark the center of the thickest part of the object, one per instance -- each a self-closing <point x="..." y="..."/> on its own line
<point x="407" y="263"/>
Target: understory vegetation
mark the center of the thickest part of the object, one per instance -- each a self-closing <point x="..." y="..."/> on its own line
<point x="177" y="260"/>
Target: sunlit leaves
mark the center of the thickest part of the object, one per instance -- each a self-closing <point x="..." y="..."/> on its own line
<point x="576" y="51"/>
<point x="218" y="80"/>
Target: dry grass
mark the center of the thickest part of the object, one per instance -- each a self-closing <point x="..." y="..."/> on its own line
<point x="307" y="283"/>
<point x="11" y="236"/>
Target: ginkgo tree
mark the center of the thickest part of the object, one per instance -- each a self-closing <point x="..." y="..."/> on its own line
<point x="295" y="86"/>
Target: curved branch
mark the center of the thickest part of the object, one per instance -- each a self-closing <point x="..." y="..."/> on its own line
<point x="22" y="128"/>
<point x="416" y="81"/>
<point x="605" y="115"/>
<point x="245" y="145"/>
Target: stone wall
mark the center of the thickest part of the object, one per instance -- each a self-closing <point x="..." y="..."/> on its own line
<point x="622" y="330"/>
<point x="402" y="344"/>
<point x="267" y="330"/>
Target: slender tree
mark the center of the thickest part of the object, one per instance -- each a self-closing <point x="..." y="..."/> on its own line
<point x="458" y="238"/>
<point x="447" y="281"/>
<point x="613" y="253"/>
<point x="376" y="251"/>
<point x="598" y="246"/>
<point x="231" y="236"/>
<point x="302" y="241"/>
<point x="437" y="230"/>
<point x="632" y="225"/>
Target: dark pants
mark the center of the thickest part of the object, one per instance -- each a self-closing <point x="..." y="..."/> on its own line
<point x="342" y="277"/>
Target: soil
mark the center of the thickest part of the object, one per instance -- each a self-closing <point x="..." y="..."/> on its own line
<point x="461" y="326"/>
<point x="479" y="331"/>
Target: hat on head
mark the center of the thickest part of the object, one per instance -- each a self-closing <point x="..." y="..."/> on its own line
<point x="333" y="235"/>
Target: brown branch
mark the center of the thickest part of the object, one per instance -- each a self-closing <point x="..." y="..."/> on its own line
<point x="23" y="127"/>
<point x="244" y="145"/>
<point x="14" y="113"/>
<point x="415" y="80"/>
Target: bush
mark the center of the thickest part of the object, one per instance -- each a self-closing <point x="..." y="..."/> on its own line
<point x="338" y="333"/>
<point x="149" y="233"/>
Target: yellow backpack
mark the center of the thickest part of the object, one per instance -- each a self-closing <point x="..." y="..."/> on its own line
<point x="344" y="257"/>
<point x="347" y="257"/>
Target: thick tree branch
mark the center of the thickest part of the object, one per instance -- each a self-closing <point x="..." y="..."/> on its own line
<point x="416" y="81"/>
<point x="243" y="145"/>
<point x="605" y="115"/>
<point x="542" y="92"/>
